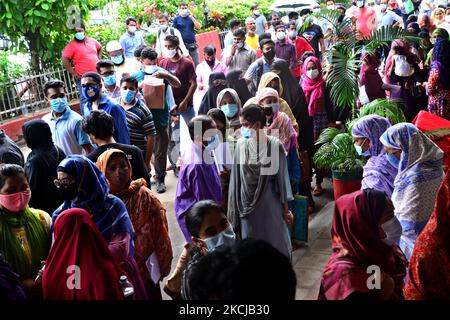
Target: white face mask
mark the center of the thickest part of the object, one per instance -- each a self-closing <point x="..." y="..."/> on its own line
<point x="132" y="29"/>
<point x="447" y="18"/>
<point x="360" y="3"/>
<point x="256" y="12"/>
<point x="240" y="45"/>
<point x="170" y="53"/>
<point x="150" y="69"/>
<point x="312" y="74"/>
<point x="331" y="7"/>
<point x="383" y="7"/>
<point x="292" y="34"/>
<point x="393" y="230"/>
<point x="281" y="35"/>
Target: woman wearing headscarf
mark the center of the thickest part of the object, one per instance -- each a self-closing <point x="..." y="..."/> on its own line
<point x="41" y="165"/>
<point x="217" y="82"/>
<point x="294" y="96"/>
<point x="82" y="185"/>
<point x="438" y="85"/>
<point x="413" y="27"/>
<point x="236" y="81"/>
<point x="437" y="35"/>
<point x="320" y="107"/>
<point x="24" y="231"/>
<point x="370" y="78"/>
<point x="379" y="174"/>
<point x="279" y="125"/>
<point x="419" y="163"/>
<point x="438" y="16"/>
<point x="428" y="276"/>
<point x="406" y="82"/>
<point x="78" y="242"/>
<point x="364" y="234"/>
<point x="229" y="102"/>
<point x="272" y="80"/>
<point x="147" y="215"/>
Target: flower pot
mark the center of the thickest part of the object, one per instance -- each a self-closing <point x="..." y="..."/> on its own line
<point x="346" y="182"/>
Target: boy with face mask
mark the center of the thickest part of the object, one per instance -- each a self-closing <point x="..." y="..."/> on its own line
<point x="284" y="49"/>
<point x="131" y="39"/>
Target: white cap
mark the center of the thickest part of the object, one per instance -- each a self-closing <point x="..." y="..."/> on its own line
<point x="113" y="46"/>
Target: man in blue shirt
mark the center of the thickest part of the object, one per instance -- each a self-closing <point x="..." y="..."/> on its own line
<point x="91" y="83"/>
<point x="186" y="23"/>
<point x="130" y="40"/>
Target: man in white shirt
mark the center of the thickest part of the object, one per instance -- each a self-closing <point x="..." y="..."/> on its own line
<point x="388" y="17"/>
<point x="123" y="65"/>
<point x="229" y="38"/>
<point x="164" y="31"/>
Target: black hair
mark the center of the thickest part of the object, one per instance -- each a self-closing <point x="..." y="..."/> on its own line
<point x="129" y="19"/>
<point x="280" y="26"/>
<point x="217" y="114"/>
<point x="163" y="16"/>
<point x="174" y="39"/>
<point x="195" y="216"/>
<point x="292" y="24"/>
<point x="253" y="7"/>
<point x="274" y="13"/>
<point x="54" y="84"/>
<point x="239" y="33"/>
<point x="93" y="75"/>
<point x="149" y="53"/>
<point x="80" y="25"/>
<point x="192" y="125"/>
<point x="234" y="23"/>
<point x="305" y="12"/>
<point x="292" y="14"/>
<point x="263" y="42"/>
<point x="183" y="4"/>
<point x="9" y="170"/>
<point x="209" y="49"/>
<point x="253" y="114"/>
<point x="305" y="55"/>
<point x="241" y="272"/>
<point x="98" y="123"/>
<point x="264" y="36"/>
<point x="398" y="49"/>
<point x="103" y="64"/>
<point x="424" y="34"/>
<point x="334" y="1"/>
<point x="138" y="50"/>
<point x="131" y="80"/>
<point x="411" y="18"/>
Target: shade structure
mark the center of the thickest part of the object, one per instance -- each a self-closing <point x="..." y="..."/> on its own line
<point x="293" y="5"/>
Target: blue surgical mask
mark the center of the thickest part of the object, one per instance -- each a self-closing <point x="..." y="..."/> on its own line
<point x="164" y="27"/>
<point x="127" y="96"/>
<point x="247" y="133"/>
<point x="110" y="80"/>
<point x="393" y="230"/>
<point x="213" y="142"/>
<point x="80" y="36"/>
<point x="150" y="69"/>
<point x="361" y="152"/>
<point x="91" y="93"/>
<point x="226" y="237"/>
<point x="59" y="105"/>
<point x="393" y="160"/>
<point x="117" y="59"/>
<point x="275" y="107"/>
<point x="230" y="109"/>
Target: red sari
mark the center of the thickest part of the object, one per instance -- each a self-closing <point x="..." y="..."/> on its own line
<point x="429" y="267"/>
<point x="79" y="243"/>
<point x="357" y="245"/>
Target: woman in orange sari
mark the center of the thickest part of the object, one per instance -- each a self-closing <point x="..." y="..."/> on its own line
<point x="148" y="216"/>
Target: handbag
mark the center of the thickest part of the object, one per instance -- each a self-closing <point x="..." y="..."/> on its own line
<point x="299" y="208"/>
<point x="305" y="167"/>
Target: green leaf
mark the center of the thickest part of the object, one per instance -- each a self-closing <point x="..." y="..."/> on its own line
<point x="8" y="15"/>
<point x="45" y="6"/>
<point x="37" y="13"/>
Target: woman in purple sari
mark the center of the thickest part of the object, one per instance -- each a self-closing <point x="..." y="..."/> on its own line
<point x="378" y="174"/>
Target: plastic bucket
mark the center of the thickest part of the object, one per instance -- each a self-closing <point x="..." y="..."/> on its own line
<point x="346" y="182"/>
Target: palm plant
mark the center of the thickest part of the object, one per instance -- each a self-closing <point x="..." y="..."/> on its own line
<point x="388" y="109"/>
<point x="343" y="57"/>
<point x="337" y="152"/>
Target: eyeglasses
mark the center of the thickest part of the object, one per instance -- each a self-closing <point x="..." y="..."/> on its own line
<point x="63" y="182"/>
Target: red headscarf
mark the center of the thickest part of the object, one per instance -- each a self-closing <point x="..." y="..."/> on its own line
<point x="428" y="276"/>
<point x="313" y="88"/>
<point x="357" y="245"/>
<point x="79" y="243"/>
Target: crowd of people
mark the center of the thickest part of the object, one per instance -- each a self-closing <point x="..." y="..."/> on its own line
<point x="79" y="219"/>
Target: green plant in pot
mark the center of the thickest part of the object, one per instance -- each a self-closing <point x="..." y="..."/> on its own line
<point x="337" y="153"/>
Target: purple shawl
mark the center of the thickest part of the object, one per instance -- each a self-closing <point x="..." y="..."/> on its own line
<point x="198" y="180"/>
<point x="378" y="174"/>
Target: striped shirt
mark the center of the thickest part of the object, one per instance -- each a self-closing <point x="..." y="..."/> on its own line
<point x="140" y="124"/>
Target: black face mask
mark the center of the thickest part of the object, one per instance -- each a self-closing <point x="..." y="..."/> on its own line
<point x="68" y="192"/>
<point x="270" y="55"/>
<point x="211" y="62"/>
<point x="275" y="87"/>
<point x="276" y="23"/>
<point x="268" y="111"/>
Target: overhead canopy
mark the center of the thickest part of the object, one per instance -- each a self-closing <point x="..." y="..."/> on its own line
<point x="293" y="5"/>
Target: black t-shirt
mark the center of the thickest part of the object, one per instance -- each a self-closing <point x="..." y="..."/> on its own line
<point x="313" y="34"/>
<point x="133" y="153"/>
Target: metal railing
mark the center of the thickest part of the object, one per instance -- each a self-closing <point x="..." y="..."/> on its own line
<point x="26" y="96"/>
<point x="222" y="35"/>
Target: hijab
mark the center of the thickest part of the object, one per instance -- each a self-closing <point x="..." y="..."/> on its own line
<point x="236" y="82"/>
<point x="77" y="241"/>
<point x="313" y="88"/>
<point x="209" y="100"/>
<point x="37" y="134"/>
<point x="235" y="120"/>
